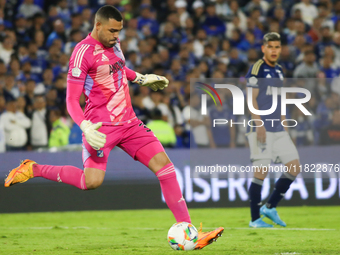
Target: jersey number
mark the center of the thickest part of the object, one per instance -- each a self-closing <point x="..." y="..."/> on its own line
<point x="147" y="129"/>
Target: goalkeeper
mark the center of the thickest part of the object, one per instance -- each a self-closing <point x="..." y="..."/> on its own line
<point x="97" y="69"/>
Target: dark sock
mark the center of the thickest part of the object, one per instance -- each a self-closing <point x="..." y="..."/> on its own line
<point x="281" y="187"/>
<point x="255" y="198"/>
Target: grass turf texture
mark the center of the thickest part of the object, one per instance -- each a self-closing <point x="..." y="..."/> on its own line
<point x="145" y="231"/>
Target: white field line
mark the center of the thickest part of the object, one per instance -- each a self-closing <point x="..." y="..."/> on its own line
<point x="293" y="229"/>
<point x="287" y="253"/>
<point x="84" y="227"/>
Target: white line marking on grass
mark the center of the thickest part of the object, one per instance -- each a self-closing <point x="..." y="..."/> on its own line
<point x="294" y="229"/>
<point x="230" y="228"/>
<point x="287" y="253"/>
<point x="54" y="227"/>
<point x="65" y="227"/>
<point x="147" y="228"/>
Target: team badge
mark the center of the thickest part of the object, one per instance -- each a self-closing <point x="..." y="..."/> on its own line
<point x="76" y="72"/>
<point x="100" y="153"/>
<point x="252" y="80"/>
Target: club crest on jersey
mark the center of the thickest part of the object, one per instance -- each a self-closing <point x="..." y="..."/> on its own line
<point x="100" y="153"/>
<point x="98" y="50"/>
<point x="253" y="81"/>
<point x="76" y="72"/>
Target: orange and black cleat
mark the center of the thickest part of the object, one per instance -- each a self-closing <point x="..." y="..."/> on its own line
<point x="22" y="173"/>
<point x="206" y="238"/>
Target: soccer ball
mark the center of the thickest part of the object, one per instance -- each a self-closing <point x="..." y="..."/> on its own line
<point x="183" y="236"/>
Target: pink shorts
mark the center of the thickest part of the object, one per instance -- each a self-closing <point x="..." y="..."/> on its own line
<point x="130" y="138"/>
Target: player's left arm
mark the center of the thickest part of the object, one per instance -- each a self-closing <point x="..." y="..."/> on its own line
<point x="80" y="64"/>
<point x="155" y="82"/>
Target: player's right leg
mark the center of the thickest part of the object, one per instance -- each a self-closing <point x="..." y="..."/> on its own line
<point x="164" y="169"/>
<point x="255" y="195"/>
<point x="261" y="158"/>
<point x="145" y="147"/>
<point x="91" y="178"/>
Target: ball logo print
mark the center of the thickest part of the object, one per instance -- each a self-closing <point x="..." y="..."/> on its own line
<point x="183" y="236"/>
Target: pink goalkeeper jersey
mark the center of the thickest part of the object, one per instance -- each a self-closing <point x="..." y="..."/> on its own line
<point x="103" y="76"/>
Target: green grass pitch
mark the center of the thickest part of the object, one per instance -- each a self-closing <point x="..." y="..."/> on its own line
<point x="310" y="230"/>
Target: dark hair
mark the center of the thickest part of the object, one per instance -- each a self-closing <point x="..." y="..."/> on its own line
<point x="309" y="52"/>
<point x="75" y="15"/>
<point x="323" y="5"/>
<point x="30" y="80"/>
<point x="59" y="78"/>
<point x="271" y="37"/>
<point x="32" y="43"/>
<point x="38" y="15"/>
<point x="56" y="111"/>
<point x="156" y="114"/>
<point x="74" y="31"/>
<point x="109" y="12"/>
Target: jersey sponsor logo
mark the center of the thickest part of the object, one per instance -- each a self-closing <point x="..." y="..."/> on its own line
<point x="266" y="70"/>
<point x="105" y="58"/>
<point x="100" y="153"/>
<point x="268" y="76"/>
<point x="119" y="65"/>
<point x="269" y="91"/>
<point x="76" y="72"/>
<point x="147" y="129"/>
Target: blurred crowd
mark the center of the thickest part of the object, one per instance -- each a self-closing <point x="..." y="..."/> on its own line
<point x="175" y="38"/>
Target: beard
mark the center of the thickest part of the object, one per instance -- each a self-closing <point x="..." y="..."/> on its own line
<point x="105" y="42"/>
<point x="110" y="45"/>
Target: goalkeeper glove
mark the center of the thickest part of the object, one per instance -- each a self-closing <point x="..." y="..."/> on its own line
<point x="153" y="81"/>
<point x="95" y="138"/>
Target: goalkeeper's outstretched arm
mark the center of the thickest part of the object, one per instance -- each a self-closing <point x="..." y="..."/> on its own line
<point x="153" y="81"/>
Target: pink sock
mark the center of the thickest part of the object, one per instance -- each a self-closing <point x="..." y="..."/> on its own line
<point x="172" y="193"/>
<point x="66" y="174"/>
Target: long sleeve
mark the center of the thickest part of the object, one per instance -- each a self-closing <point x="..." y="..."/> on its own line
<point x="130" y="74"/>
<point x="23" y="120"/>
<point x="79" y="65"/>
<point x="73" y="94"/>
<point x="7" y="120"/>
